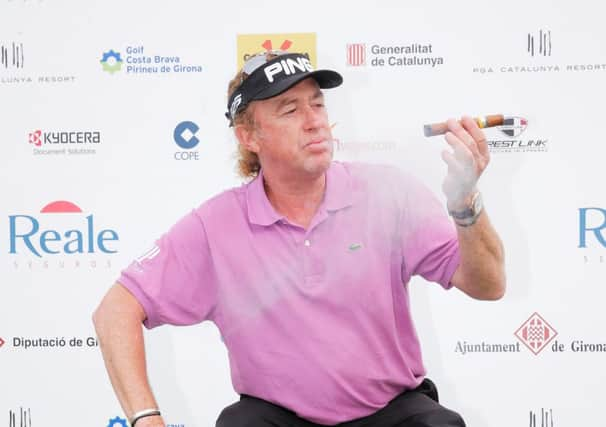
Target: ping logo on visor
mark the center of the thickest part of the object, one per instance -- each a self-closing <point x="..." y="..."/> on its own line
<point x="287" y="66"/>
<point x="269" y="78"/>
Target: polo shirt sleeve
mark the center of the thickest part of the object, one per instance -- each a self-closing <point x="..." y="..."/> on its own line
<point x="429" y="239"/>
<point x="173" y="281"/>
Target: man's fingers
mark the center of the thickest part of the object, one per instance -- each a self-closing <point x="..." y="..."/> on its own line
<point x="466" y="134"/>
<point x="477" y="134"/>
<point x="454" y="165"/>
<point x="461" y="150"/>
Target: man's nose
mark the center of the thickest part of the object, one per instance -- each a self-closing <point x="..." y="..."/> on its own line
<point x="314" y="117"/>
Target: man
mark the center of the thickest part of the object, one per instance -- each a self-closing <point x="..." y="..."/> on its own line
<point x="305" y="269"/>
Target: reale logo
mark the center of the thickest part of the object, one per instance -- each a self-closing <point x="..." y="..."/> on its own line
<point x="26" y="234"/>
<point x="2" y="342"/>
<point x="535" y="333"/>
<point x="594" y="216"/>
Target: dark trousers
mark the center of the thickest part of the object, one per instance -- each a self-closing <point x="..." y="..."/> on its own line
<point x="414" y="408"/>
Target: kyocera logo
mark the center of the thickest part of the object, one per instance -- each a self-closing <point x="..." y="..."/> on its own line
<point x="71" y="233"/>
<point x="287" y="66"/>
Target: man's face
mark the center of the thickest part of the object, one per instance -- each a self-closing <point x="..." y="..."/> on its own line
<point x="292" y="136"/>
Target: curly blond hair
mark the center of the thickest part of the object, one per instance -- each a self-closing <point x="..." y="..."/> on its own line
<point x="248" y="162"/>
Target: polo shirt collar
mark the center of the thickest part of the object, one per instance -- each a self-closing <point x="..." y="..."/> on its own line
<point x="338" y="196"/>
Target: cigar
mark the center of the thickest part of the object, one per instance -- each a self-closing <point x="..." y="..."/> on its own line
<point x="483" y="122"/>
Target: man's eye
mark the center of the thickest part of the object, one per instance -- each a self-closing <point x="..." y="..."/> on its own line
<point x="290" y="111"/>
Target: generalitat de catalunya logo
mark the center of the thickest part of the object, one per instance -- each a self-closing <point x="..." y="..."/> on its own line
<point x="251" y="44"/>
<point x="410" y="55"/>
<point x="61" y="228"/>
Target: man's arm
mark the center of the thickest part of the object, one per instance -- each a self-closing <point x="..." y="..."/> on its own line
<point x="481" y="273"/>
<point x="118" y="322"/>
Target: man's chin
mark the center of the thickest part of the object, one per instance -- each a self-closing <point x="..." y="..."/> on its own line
<point x="318" y="164"/>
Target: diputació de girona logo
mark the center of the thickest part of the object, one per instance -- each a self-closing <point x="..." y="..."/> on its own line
<point x="250" y="44"/>
<point x="111" y="61"/>
<point x="536" y="333"/>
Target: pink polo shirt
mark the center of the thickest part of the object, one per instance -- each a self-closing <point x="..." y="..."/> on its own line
<point x="314" y="320"/>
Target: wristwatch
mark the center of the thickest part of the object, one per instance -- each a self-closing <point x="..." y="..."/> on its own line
<point x="469" y="215"/>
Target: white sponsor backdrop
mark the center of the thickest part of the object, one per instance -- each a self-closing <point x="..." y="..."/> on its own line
<point x="53" y="81"/>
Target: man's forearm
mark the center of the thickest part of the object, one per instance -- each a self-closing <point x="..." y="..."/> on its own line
<point x="118" y="325"/>
<point x="481" y="273"/>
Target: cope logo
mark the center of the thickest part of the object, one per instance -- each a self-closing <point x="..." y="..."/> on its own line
<point x="70" y="233"/>
<point x="185" y="137"/>
<point x="535" y="333"/>
<point x="251" y="44"/>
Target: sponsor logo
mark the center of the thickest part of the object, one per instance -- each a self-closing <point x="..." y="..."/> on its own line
<point x="13" y="67"/>
<point x="535" y="333"/>
<point x="537" y="336"/>
<point x="542" y="46"/>
<point x="251" y="44"/>
<point x="1" y="342"/>
<point x="117" y="422"/>
<point x="61" y="234"/>
<point x="592" y="220"/>
<point x="539" y="48"/>
<point x="407" y="55"/>
<point x="139" y="60"/>
<point x="111" y="61"/>
<point x="592" y="237"/>
<point x="288" y="66"/>
<point x="54" y="343"/>
<point x="356" y="146"/>
<point x="185" y="137"/>
<point x="507" y="138"/>
<point x="23" y="418"/>
<point x="11" y="55"/>
<point x="71" y="142"/>
<point x="546" y="418"/>
<point x="356" y="54"/>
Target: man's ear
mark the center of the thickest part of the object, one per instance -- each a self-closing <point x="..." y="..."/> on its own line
<point x="247" y="137"/>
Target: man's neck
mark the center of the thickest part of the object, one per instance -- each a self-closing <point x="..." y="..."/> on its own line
<point x="297" y="200"/>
